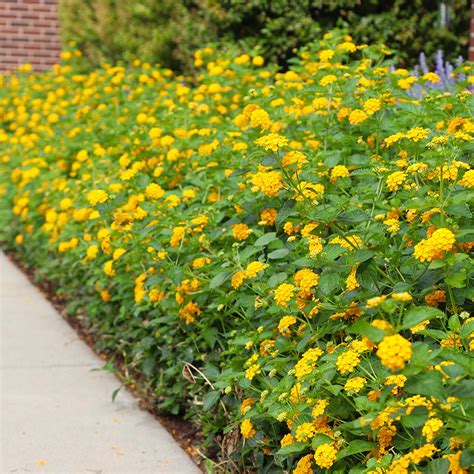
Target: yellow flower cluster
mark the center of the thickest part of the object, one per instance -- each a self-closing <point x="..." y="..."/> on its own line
<point x="394" y="351"/>
<point x="441" y="241"/>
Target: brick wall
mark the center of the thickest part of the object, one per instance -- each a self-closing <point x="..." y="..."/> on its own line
<point x="29" y="33"/>
<point x="471" y="37"/>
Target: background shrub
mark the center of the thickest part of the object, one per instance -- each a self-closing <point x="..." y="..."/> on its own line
<point x="168" y="31"/>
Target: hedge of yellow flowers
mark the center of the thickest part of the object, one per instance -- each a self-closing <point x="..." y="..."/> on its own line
<point x="285" y="257"/>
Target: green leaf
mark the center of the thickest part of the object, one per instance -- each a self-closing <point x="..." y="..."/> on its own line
<point x="363" y="255"/>
<point x="285" y="211"/>
<point x="320" y="439"/>
<point x="428" y="383"/>
<point x="333" y="159"/>
<point x="116" y="392"/>
<point x="456" y="280"/>
<point x="437" y="466"/>
<point x="292" y="448"/>
<point x="219" y="279"/>
<point x="419" y="314"/>
<point x="276" y="279"/>
<point x="366" y="329"/>
<point x="277" y="254"/>
<point x="149" y="365"/>
<point x="355" y="447"/>
<point x="467" y="458"/>
<point x="210" y="336"/>
<point x="210" y="399"/>
<point x="353" y="216"/>
<point x="416" y="418"/>
<point x="328" y="281"/>
<point x="458" y="210"/>
<point x="265" y="239"/>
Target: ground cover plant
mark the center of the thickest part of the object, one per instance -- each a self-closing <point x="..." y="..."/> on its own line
<point x="286" y="258"/>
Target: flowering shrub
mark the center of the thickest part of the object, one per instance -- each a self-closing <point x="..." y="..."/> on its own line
<point x="284" y="256"/>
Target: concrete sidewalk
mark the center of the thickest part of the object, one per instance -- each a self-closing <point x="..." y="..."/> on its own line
<point x="57" y="415"/>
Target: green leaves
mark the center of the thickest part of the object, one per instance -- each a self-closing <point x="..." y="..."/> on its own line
<point x="328" y="281"/>
<point x="355" y="447"/>
<point x="265" y="239"/>
<point x="210" y="399"/>
<point x="293" y="448"/>
<point x="278" y="254"/>
<point x="418" y="314"/>
<point x="366" y="329"/>
<point x="429" y="384"/>
<point x="219" y="279"/>
<point x="319" y="439"/>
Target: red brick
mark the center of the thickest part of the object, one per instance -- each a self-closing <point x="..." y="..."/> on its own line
<point x="29" y="32"/>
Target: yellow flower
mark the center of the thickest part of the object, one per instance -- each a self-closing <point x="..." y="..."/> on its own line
<point x="306" y="279"/>
<point x="246" y="405"/>
<point x="403" y="297"/>
<point x="269" y="182"/>
<point x="349" y="242"/>
<point x="284" y="293"/>
<point x="417" y="133"/>
<point x="442" y="240"/>
<point x="154" y="191"/>
<point x="347" y="361"/>
<point x="325" y="455"/>
<point x="177" y="236"/>
<point x="356" y="384"/>
<point x="339" y="171"/>
<point x="372" y="105"/>
<point x="304" y="465"/>
<point x="392" y="139"/>
<point x="395" y="180"/>
<point x="287" y="440"/>
<point x="305" y="431"/>
<point x="351" y="281"/>
<point x="431" y="428"/>
<point x="431" y="77"/>
<point x="247" y="429"/>
<point x="397" y="380"/>
<point x="65" y="204"/>
<point x="285" y="323"/>
<point x="468" y="179"/>
<point x="394" y="351"/>
<point x="97" y="196"/>
<point x="357" y="116"/>
<point x="260" y="119"/>
<point x="326" y="55"/>
<point x="319" y="408"/>
<point x="200" y="262"/>
<point x="268" y="216"/>
<point x="252" y="371"/>
<point x="241" y="231"/>
<point x="272" y="142"/>
<point x="92" y="252"/>
<point x="328" y="79"/>
<point x="118" y="253"/>
<point x="406" y="82"/>
<point x="108" y="268"/>
<point x="376" y="301"/>
<point x="237" y="279"/>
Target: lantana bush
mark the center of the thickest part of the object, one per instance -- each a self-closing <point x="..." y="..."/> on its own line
<point x="283" y="257"/>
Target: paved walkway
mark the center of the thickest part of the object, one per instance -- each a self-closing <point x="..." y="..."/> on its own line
<point x="56" y="415"/>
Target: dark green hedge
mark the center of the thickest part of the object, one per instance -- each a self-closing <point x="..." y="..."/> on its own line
<point x="168" y="31"/>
